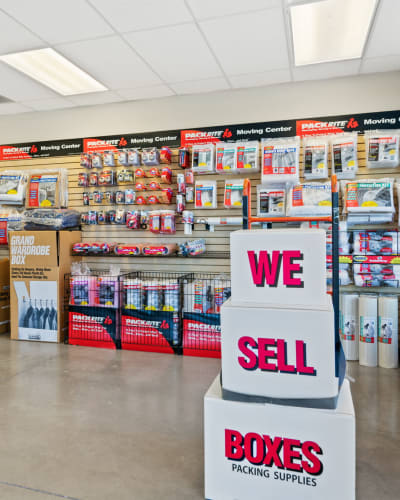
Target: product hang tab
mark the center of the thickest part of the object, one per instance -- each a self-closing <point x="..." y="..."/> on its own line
<point x="284" y="267"/>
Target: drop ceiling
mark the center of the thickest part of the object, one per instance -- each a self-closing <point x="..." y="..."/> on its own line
<point x="144" y="49"/>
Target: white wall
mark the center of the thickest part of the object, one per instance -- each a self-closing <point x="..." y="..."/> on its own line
<point x="376" y="92"/>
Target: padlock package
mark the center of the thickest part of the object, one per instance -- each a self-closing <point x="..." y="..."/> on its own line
<point x="315" y="153"/>
<point x="344" y="155"/>
<point x="382" y="149"/>
<point x="280" y="160"/>
<point x="271" y="201"/>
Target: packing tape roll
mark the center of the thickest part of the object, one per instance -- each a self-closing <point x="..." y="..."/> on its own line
<point x="368" y="345"/>
<point x="350" y="325"/>
<point x="388" y="331"/>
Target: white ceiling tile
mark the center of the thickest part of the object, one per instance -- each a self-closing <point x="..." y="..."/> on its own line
<point x="150" y="92"/>
<point x="11" y="108"/>
<point x="204" y="9"/>
<point x="249" y="43"/>
<point x="177" y="53"/>
<point x="14" y="37"/>
<point x="110" y="61"/>
<point x="58" y="22"/>
<point x="48" y="104"/>
<point x="326" y="70"/>
<point x="200" y="86"/>
<point x="131" y="15"/>
<point x="385" y="36"/>
<point x="259" y="79"/>
<point x="18" y="87"/>
<point x="379" y="64"/>
<point x="95" y="98"/>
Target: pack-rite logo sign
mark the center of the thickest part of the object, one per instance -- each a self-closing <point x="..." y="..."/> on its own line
<point x="33" y="149"/>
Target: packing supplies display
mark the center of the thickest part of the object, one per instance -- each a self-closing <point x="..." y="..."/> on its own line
<point x="12" y="187"/>
<point x="50" y="219"/>
<point x="368" y="195"/>
<point x="310" y="199"/>
<point x="382" y="149"/>
<point x="271" y="201"/>
<point x="225" y="158"/>
<point x="349" y="327"/>
<point x="388" y="331"/>
<point x="280" y="160"/>
<point x="368" y="312"/>
<point x="233" y="194"/>
<point x="206" y="194"/>
<point x="315" y="153"/>
<point x="203" y="158"/>
<point x="247" y="157"/>
<point x="344" y="155"/>
<point x="375" y="242"/>
<point x="48" y="190"/>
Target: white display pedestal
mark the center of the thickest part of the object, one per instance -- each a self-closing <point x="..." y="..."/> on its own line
<point x="265" y="451"/>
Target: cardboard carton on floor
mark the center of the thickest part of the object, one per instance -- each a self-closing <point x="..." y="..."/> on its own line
<point x="265" y="451"/>
<point x="38" y="263"/>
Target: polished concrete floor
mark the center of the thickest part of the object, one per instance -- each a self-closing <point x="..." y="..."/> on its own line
<point x="91" y="424"/>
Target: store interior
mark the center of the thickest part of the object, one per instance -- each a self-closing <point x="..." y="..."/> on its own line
<point x="199" y="249"/>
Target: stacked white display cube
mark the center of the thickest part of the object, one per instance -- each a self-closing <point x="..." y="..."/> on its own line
<point x="278" y="427"/>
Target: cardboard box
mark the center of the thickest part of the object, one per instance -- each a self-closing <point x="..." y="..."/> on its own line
<point x="259" y="451"/>
<point x="279" y="266"/>
<point x="5" y="280"/>
<point x="38" y="263"/>
<point x="279" y="353"/>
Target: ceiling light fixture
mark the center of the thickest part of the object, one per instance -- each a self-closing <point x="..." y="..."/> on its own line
<point x="53" y="70"/>
<point x="329" y="30"/>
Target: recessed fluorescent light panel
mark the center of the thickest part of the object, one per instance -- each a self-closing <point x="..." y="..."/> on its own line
<point x="330" y="30"/>
<point x="52" y="69"/>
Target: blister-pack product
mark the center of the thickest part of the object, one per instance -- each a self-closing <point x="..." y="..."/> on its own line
<point x="134" y="157"/>
<point x="233" y="195"/>
<point x="280" y="160"/>
<point x="315" y="152"/>
<point x="150" y="156"/>
<point x="165" y="155"/>
<point x="97" y="160"/>
<point x="382" y="149"/>
<point x="86" y="160"/>
<point x="123" y="157"/>
<point x="12" y="187"/>
<point x="206" y="194"/>
<point x="125" y="176"/>
<point x="344" y="155"/>
<point x="309" y="199"/>
<point x="203" y="158"/>
<point x="375" y="242"/>
<point x="225" y="158"/>
<point x="368" y="195"/>
<point x="108" y="159"/>
<point x="271" y="201"/>
<point x="247" y="157"/>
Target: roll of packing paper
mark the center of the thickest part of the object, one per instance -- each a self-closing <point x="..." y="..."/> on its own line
<point x="388" y="340"/>
<point x="350" y="327"/>
<point x="368" y="312"/>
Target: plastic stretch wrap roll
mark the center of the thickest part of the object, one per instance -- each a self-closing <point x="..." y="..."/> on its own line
<point x="350" y="326"/>
<point x="368" y="348"/>
<point x="388" y="332"/>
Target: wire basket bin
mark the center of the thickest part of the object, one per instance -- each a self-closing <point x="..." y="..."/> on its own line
<point x="151" y="311"/>
<point x="93" y="302"/>
<point x="204" y="296"/>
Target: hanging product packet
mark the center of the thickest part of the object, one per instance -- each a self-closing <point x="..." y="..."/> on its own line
<point x="315" y="153"/>
<point x="280" y="160"/>
<point x="375" y="242"/>
<point x="382" y="149"/>
<point x="247" y="157"/>
<point x="203" y="158"/>
<point x="271" y="201"/>
<point x="344" y="155"/>
<point x="12" y="187"/>
<point x="206" y="194"/>
<point x="48" y="190"/>
<point x="368" y="196"/>
<point x="225" y="158"/>
<point x="310" y="199"/>
<point x="233" y="195"/>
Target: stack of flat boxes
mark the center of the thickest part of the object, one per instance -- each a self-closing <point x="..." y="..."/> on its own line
<point x="281" y="425"/>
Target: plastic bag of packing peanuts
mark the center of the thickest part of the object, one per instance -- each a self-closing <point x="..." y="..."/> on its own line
<point x="315" y="153"/>
<point x="382" y="148"/>
<point x="280" y="160"/>
<point x="344" y="155"/>
<point x="309" y="199"/>
<point x="375" y="243"/>
<point x="12" y="187"/>
<point x="368" y="196"/>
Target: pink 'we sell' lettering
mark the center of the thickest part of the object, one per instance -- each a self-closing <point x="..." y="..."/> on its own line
<point x="266" y="267"/>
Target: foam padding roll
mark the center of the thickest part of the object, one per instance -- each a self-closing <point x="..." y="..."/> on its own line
<point x="350" y="326"/>
<point x="368" y="345"/>
<point x="388" y="331"/>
